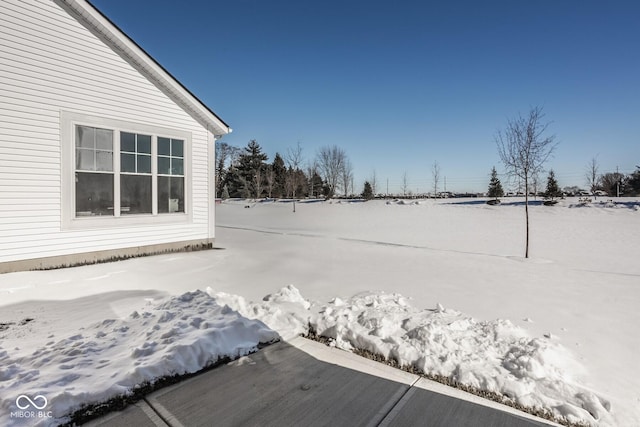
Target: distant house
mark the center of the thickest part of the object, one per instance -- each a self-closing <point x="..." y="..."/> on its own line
<point x="103" y="154"/>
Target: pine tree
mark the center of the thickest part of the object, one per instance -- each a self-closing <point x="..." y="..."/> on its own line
<point x="552" y="186"/>
<point x="251" y="168"/>
<point x="633" y="181"/>
<point x="226" y="156"/>
<point x="367" y="193"/>
<point x="495" y="187"/>
<point x="315" y="183"/>
<point x="232" y="182"/>
<point x="280" y="175"/>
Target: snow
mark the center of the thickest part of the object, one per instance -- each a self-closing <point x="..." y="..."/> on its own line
<point x="109" y="358"/>
<point x="495" y="355"/>
<point x="440" y="285"/>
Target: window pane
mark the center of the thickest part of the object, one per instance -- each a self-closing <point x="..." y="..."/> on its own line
<point x="104" y="139"/>
<point x="85" y="137"/>
<point x="127" y="162"/>
<point x="104" y="161"/>
<point x="177" y="166"/>
<point x="94" y="194"/>
<point x="127" y="142"/>
<point x="170" y="194"/>
<point x="164" y="165"/>
<point x="85" y="159"/>
<point x="135" y="194"/>
<point x="164" y="146"/>
<point x="144" y="144"/>
<point x="144" y="164"/>
<point x="177" y="148"/>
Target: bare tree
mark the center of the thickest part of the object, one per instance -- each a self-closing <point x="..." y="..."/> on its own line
<point x="593" y="179"/>
<point x="257" y="180"/>
<point x="226" y="155"/>
<point x="436" y="178"/>
<point x="535" y="184"/>
<point x="405" y="183"/>
<point x="312" y="170"/>
<point x="523" y="150"/>
<point x="611" y="182"/>
<point x="331" y="161"/>
<point x="294" y="160"/>
<point x="346" y="177"/>
<point x="374" y="183"/>
<point x="270" y="179"/>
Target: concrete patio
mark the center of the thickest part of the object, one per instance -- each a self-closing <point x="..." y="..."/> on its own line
<point x="305" y="383"/>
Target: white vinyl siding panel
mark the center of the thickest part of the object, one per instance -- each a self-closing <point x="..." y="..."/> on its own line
<point x="50" y="63"/>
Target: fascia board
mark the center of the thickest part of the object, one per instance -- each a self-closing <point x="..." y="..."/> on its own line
<point x="146" y="65"/>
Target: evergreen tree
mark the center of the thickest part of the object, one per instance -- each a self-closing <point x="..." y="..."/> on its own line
<point x="226" y="156"/>
<point x="367" y="193"/>
<point x="280" y="176"/>
<point x="316" y="183"/>
<point x="326" y="190"/>
<point x="232" y="182"/>
<point x="552" y="186"/>
<point x="633" y="182"/>
<point x="300" y="182"/>
<point x="252" y="170"/>
<point x="296" y="183"/>
<point x="495" y="186"/>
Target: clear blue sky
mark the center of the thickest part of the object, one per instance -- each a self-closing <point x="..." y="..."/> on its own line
<point x="400" y="85"/>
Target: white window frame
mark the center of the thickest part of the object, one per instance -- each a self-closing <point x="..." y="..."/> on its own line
<point x="68" y="123"/>
<point x="122" y="173"/>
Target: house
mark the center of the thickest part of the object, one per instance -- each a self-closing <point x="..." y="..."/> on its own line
<point x="103" y="154"/>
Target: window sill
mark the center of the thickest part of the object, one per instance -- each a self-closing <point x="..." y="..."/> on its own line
<point x="129" y="220"/>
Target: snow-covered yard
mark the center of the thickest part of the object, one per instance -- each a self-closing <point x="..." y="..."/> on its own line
<point x="441" y="285"/>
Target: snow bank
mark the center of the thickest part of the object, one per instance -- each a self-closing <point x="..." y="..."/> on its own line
<point x="494" y="356"/>
<point x="187" y="333"/>
<point x="181" y="335"/>
<point x="285" y="311"/>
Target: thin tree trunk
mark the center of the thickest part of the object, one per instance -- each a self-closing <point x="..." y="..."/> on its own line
<point x="526" y="214"/>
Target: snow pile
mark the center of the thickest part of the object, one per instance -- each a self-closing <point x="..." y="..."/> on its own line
<point x="495" y="356"/>
<point x="605" y="204"/>
<point x="285" y="311"/>
<point x="181" y="335"/>
<point x="403" y="202"/>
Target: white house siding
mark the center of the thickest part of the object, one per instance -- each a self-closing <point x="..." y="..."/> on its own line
<point x="50" y="64"/>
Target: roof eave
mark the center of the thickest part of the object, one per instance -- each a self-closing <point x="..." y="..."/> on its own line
<point x="146" y="64"/>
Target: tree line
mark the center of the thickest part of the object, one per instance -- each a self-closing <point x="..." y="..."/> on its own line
<point x="247" y="172"/>
<point x="609" y="184"/>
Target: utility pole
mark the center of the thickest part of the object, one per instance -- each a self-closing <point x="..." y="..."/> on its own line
<point x="617" y="182"/>
<point x="387" y="187"/>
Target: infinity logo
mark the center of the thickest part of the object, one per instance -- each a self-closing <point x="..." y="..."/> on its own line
<point x="30" y="402"/>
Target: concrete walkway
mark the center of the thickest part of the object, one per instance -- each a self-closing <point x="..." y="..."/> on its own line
<point x="305" y="383"/>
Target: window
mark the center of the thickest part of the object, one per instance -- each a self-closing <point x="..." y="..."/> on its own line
<point x="135" y="178"/>
<point x="118" y="173"/>
<point x="170" y="175"/>
<point x="94" y="177"/>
